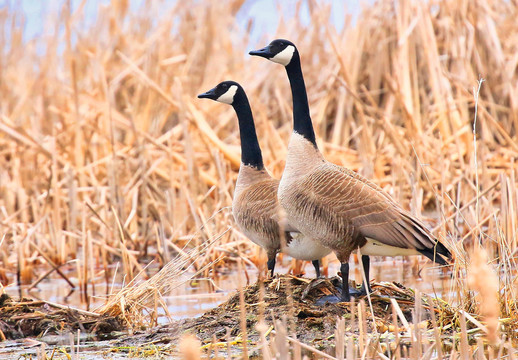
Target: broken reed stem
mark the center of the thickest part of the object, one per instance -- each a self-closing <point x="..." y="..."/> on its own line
<point x="189" y="348"/>
<point x="464" y="347"/>
<point x="436" y="332"/>
<point x="261" y="324"/>
<point x="340" y="339"/>
<point x="229" y="348"/>
<point x="476" y="93"/>
<point x="483" y="280"/>
<point x="351" y="349"/>
<point x="242" y="310"/>
<point x="281" y="342"/>
<point x="397" y="348"/>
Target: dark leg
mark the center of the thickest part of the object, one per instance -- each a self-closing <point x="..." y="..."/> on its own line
<point x="316" y="264"/>
<point x="366" y="262"/>
<point x="271" y="265"/>
<point x="344" y="269"/>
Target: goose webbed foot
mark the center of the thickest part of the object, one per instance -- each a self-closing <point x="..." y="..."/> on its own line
<point x="341" y="297"/>
<point x="345" y="291"/>
<point x="328" y="299"/>
<point x="363" y="291"/>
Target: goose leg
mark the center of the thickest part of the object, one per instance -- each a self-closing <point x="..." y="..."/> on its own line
<point x="271" y="265"/>
<point x="344" y="269"/>
<point x="316" y="264"/>
<point x="366" y="262"/>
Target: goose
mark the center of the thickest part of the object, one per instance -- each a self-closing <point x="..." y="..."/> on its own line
<point x="334" y="205"/>
<point x="255" y="207"/>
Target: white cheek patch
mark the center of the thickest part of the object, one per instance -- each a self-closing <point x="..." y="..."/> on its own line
<point x="284" y="57"/>
<point x="228" y="96"/>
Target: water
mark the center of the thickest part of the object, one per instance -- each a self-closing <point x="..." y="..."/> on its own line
<point x="198" y="296"/>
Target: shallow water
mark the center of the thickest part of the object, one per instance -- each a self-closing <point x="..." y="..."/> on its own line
<point x="200" y="295"/>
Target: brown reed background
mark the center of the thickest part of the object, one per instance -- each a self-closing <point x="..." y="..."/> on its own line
<point x="106" y="155"/>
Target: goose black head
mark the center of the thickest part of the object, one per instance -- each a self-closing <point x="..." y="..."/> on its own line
<point x="224" y="92"/>
<point x="280" y="51"/>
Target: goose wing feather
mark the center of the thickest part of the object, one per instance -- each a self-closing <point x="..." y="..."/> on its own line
<point x="366" y="207"/>
<point x="257" y="209"/>
<point x="254" y="207"/>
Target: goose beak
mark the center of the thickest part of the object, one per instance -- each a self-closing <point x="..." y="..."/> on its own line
<point x="211" y="94"/>
<point x="264" y="52"/>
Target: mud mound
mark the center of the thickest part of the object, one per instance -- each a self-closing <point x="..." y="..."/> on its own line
<point x="313" y="323"/>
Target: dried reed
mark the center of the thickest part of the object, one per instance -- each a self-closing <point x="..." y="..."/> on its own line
<point x="106" y="155"/>
<point x="131" y="301"/>
<point x="190" y="348"/>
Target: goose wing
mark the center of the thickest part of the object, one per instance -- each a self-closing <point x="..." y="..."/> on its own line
<point x="347" y="196"/>
<point x="255" y="206"/>
<point x="258" y="209"/>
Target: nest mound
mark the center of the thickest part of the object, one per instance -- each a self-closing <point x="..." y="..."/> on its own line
<point x="34" y="318"/>
<point x="303" y="311"/>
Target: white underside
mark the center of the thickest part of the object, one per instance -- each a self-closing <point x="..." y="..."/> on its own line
<point x="303" y="248"/>
<point x="376" y="248"/>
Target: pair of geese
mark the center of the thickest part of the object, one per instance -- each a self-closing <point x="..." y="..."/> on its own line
<point x="317" y="207"/>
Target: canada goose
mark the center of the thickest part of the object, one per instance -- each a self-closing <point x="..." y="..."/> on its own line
<point x="255" y="206"/>
<point x="334" y="205"/>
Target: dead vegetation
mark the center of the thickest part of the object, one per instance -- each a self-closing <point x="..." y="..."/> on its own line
<point x="136" y="304"/>
<point x="30" y="318"/>
<point x="106" y="156"/>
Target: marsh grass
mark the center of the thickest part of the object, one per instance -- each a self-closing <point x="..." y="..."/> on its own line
<point x="137" y="303"/>
<point x="106" y="155"/>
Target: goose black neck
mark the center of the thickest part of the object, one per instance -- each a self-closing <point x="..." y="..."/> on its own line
<point x="301" y="119"/>
<point x="250" y="150"/>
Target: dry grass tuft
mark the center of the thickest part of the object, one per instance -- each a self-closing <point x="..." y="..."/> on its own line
<point x="137" y="303"/>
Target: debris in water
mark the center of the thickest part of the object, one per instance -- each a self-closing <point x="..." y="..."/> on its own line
<point x="34" y="318"/>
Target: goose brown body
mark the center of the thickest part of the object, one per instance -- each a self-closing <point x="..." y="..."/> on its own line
<point x="255" y="208"/>
<point x="254" y="204"/>
<point x="343" y="210"/>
